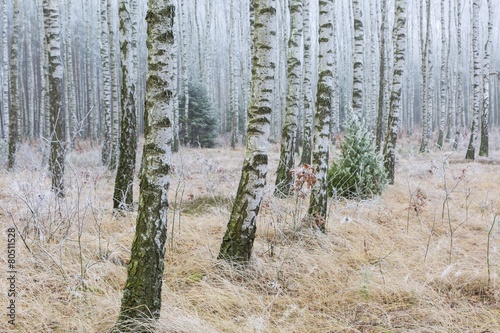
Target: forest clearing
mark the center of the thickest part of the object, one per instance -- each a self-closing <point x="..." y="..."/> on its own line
<point x="384" y="265"/>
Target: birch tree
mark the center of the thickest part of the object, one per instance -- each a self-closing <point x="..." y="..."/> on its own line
<point x="382" y="81"/>
<point x="319" y="196"/>
<point x="357" y="88"/>
<point x="476" y="85"/>
<point x="427" y="82"/>
<point x="106" y="79"/>
<point x="395" y="109"/>
<point x="307" y="86"/>
<point x="115" y="141"/>
<point x="141" y="300"/>
<point x="484" y="145"/>
<point x="55" y="70"/>
<point x="443" y="73"/>
<point x="238" y="240"/>
<point x="460" y="99"/>
<point x="14" y="107"/>
<point x="123" y="193"/>
<point x="284" y="179"/>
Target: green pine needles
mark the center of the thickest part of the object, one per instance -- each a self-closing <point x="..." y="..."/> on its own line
<point x="201" y="123"/>
<point x="359" y="171"/>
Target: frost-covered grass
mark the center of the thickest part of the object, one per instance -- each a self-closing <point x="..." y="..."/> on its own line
<point x="413" y="260"/>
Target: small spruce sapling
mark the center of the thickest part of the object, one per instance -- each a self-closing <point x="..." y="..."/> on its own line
<point x="359" y="171"/>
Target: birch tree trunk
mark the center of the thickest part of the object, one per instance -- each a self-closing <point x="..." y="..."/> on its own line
<point x="114" y="93"/>
<point x="123" y="193"/>
<point x="238" y="240"/>
<point x="426" y="90"/>
<point x="383" y="81"/>
<point x="319" y="197"/>
<point x="460" y="90"/>
<point x="15" y="106"/>
<point x="71" y="83"/>
<point x="106" y="77"/>
<point x="184" y="69"/>
<point x="395" y="109"/>
<point x="307" y="87"/>
<point x="443" y="83"/>
<point x="484" y="145"/>
<point x="284" y="180"/>
<point x="57" y="135"/>
<point x="357" y="87"/>
<point x="141" y="300"/>
<point x="233" y="91"/>
<point x="476" y="85"/>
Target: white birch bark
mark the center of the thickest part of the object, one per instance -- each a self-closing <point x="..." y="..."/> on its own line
<point x="319" y="197"/>
<point x="476" y="84"/>
<point x="442" y="79"/>
<point x="484" y="145"/>
<point x="238" y="240"/>
<point x="426" y="100"/>
<point x="284" y="180"/>
<point x="358" y="71"/>
<point x="460" y="113"/>
<point x="114" y="92"/>
<point x="142" y="295"/>
<point x="55" y="70"/>
<point x="396" y="106"/>
<point x="15" y="106"/>
<point x="106" y="80"/>
<point x="307" y="86"/>
<point x="233" y="72"/>
<point x="123" y="193"/>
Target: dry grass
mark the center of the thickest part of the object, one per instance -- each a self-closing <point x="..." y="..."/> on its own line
<point x="412" y="260"/>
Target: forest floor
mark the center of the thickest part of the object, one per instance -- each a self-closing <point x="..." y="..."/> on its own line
<point x="423" y="257"/>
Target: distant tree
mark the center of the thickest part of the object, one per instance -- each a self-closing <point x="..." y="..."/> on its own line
<point x="382" y="93"/>
<point x="319" y="196"/>
<point x="123" y="194"/>
<point x="396" y="108"/>
<point x="357" y="88"/>
<point x="443" y="85"/>
<point x="238" y="240"/>
<point x="284" y="180"/>
<point x="106" y="84"/>
<point x="201" y="122"/>
<point x="141" y="302"/>
<point x="57" y="119"/>
<point x="484" y="145"/>
<point x="14" y="107"/>
<point x="427" y="87"/>
<point x="307" y="87"/>
<point x="115" y="142"/>
<point x="476" y="85"/>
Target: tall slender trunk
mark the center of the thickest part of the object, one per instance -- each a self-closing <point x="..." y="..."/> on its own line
<point x="427" y="83"/>
<point x="57" y="135"/>
<point x="443" y="83"/>
<point x="460" y="90"/>
<point x="384" y="27"/>
<point x="123" y="193"/>
<point x="395" y="110"/>
<point x="14" y="107"/>
<point x="284" y="180"/>
<point x="358" y="71"/>
<point x="476" y="85"/>
<point x="238" y="240"/>
<point x="484" y="145"/>
<point x="319" y="197"/>
<point x="106" y="77"/>
<point x="114" y="92"/>
<point x="141" y="300"/>
<point x="307" y="87"/>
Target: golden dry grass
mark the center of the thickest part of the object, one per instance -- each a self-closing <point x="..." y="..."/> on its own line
<point x="412" y="260"/>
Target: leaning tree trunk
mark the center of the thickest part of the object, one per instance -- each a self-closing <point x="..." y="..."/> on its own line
<point x="57" y="135"/>
<point x="14" y="107"/>
<point x="307" y="88"/>
<point x="141" y="302"/>
<point x="357" y="87"/>
<point x="238" y="240"/>
<point x="123" y="194"/>
<point x="319" y="196"/>
<point x="284" y="179"/>
<point x="471" y="149"/>
<point x="396" y="108"/>
<point x="484" y="146"/>
<point x="106" y="84"/>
